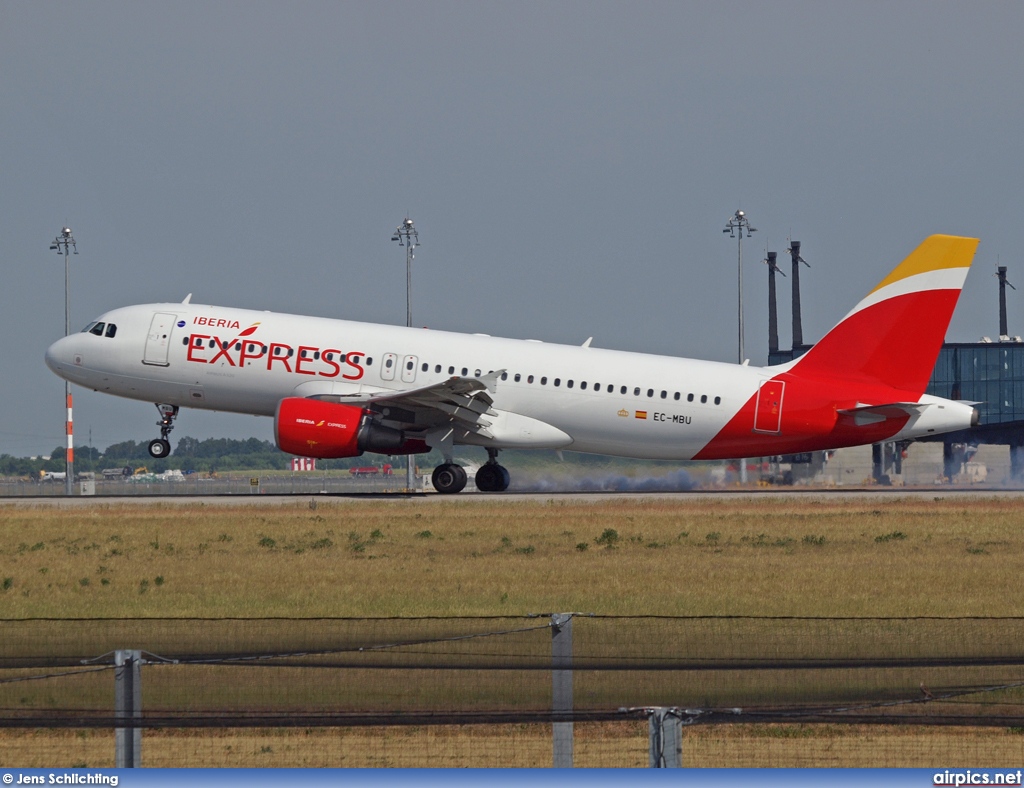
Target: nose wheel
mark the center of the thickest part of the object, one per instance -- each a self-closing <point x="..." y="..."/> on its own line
<point x="161" y="447"/>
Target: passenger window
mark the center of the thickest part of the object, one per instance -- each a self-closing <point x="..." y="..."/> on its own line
<point x="111" y="330"/>
<point x="464" y="372"/>
<point x="558" y="382"/>
<point x="544" y="381"/>
<point x="425" y="366"/>
<point x="703" y="398"/>
<point x="530" y="379"/>
<point x="408" y="365"/>
<point x="718" y="400"/>
<point x="516" y="378"/>
<point x="583" y="385"/>
<point x="341" y="358"/>
<point x="369" y="361"/>
<point x="327" y="356"/>
<point x="451" y="370"/>
<point x="689" y="397"/>
<point x="211" y="343"/>
<point x="98" y="329"/>
<point x="238" y="346"/>
<point x="611" y="388"/>
<point x="568" y="384"/>
<point x="437" y="369"/>
<point x="650" y="392"/>
<point x="676" y="397"/>
<point x="184" y="341"/>
<point x="664" y="394"/>
<point x="622" y="390"/>
<point x="251" y="348"/>
<point x="504" y="376"/>
<point x="316" y="354"/>
<point x="476" y="373"/>
<point x="636" y="392"/>
<point x="387" y="363"/>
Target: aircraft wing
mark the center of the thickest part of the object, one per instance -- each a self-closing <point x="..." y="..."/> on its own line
<point x="459" y="401"/>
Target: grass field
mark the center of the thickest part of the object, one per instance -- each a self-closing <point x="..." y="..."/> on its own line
<point x="669" y="556"/>
<point x="403" y="558"/>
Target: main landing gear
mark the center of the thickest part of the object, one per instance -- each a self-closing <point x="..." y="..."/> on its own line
<point x="450" y="478"/>
<point x="161" y="447"/>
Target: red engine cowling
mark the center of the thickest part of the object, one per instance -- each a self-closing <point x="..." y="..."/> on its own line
<point x="313" y="428"/>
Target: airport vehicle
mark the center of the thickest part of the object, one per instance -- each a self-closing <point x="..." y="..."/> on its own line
<point x="338" y="388"/>
<point x="371" y="470"/>
<point x="52" y="476"/>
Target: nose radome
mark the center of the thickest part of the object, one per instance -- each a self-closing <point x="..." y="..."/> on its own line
<point x="56" y="354"/>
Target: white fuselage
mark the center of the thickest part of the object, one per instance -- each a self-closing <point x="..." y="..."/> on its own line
<point x="670" y="409"/>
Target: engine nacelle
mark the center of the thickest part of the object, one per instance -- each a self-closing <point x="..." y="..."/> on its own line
<point x="328" y="430"/>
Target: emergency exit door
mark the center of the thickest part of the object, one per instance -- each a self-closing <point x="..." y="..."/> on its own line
<point x="768" y="410"/>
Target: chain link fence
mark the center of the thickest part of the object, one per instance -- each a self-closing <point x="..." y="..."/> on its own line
<point x="513" y="691"/>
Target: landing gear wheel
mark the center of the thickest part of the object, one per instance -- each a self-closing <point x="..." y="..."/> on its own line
<point x="159" y="448"/>
<point x="449" y="478"/>
<point x="492" y="478"/>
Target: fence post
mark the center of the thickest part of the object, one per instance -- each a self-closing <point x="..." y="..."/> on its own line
<point x="128" y="708"/>
<point x="561" y="688"/>
<point x="665" y="738"/>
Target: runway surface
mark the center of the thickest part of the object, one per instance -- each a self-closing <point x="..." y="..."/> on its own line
<point x="428" y="499"/>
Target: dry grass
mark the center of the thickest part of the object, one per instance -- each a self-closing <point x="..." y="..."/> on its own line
<point x="673" y="557"/>
<point x="370" y="558"/>
<point x="596" y="745"/>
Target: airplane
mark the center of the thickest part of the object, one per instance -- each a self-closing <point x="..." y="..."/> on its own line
<point x="337" y="388"/>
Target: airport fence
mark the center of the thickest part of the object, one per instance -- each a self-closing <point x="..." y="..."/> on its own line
<point x="561" y="689"/>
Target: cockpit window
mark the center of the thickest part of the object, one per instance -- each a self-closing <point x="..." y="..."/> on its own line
<point x="97" y="329"/>
<point x="111" y="330"/>
<point x="89" y="327"/>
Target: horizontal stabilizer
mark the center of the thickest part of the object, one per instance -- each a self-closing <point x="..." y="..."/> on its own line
<point x="873" y="414"/>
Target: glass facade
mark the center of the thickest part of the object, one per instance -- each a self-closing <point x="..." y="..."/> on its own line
<point x="991" y="374"/>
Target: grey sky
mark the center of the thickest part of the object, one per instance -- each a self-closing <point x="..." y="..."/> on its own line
<point x="569" y="166"/>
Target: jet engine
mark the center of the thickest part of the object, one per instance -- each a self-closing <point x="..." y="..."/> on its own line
<point x="313" y="428"/>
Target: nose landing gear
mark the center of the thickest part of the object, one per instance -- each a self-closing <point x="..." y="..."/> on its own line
<point x="161" y="447"/>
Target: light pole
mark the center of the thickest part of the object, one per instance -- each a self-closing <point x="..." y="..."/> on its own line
<point x="739" y="222"/>
<point x="407" y="236"/>
<point x="61" y="244"/>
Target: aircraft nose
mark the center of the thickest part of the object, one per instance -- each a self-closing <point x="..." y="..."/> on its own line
<point x="58" y="354"/>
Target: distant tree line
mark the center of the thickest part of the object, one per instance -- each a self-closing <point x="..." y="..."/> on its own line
<point x="191" y="454"/>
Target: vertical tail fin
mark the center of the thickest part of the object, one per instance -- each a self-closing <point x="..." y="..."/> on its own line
<point x="893" y="335"/>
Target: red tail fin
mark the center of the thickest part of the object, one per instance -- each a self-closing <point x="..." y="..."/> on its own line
<point x="893" y="336"/>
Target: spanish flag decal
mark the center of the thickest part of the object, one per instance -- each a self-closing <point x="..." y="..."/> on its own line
<point x="641" y="414"/>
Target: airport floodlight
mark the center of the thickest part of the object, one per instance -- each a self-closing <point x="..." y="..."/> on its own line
<point x="407" y="236"/>
<point x="738" y="221"/>
<point x="64" y="244"/>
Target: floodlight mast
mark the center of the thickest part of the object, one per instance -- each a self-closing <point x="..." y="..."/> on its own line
<point x="739" y="222"/>
<point x="64" y="242"/>
<point x="407" y="236"/>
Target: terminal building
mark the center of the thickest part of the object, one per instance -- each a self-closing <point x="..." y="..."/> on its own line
<point x="989" y="373"/>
